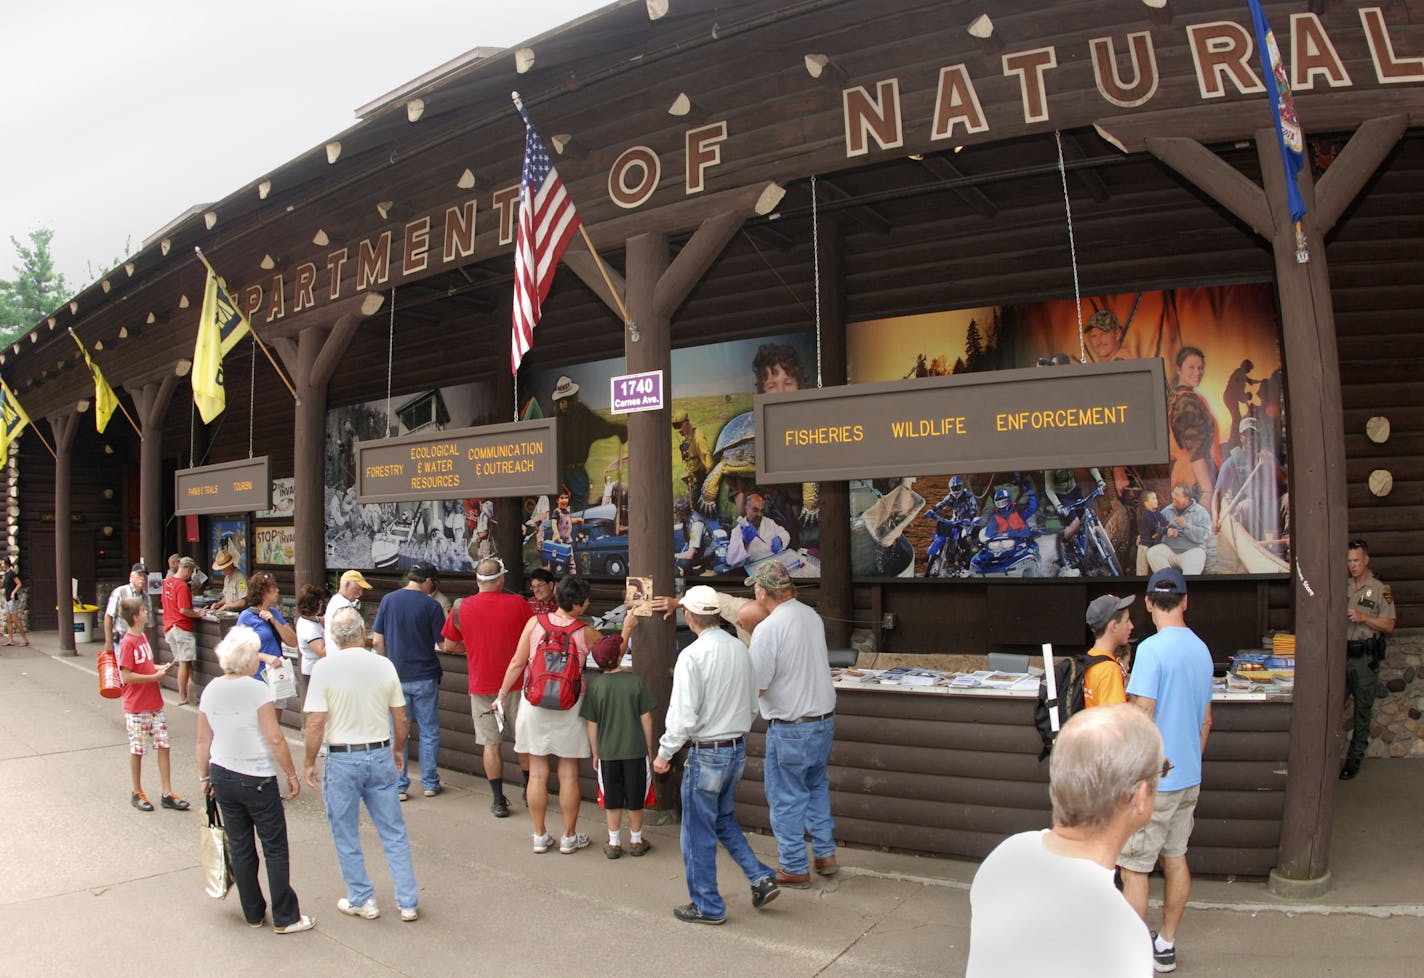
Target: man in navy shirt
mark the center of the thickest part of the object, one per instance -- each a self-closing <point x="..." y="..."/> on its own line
<point x="407" y="631"/>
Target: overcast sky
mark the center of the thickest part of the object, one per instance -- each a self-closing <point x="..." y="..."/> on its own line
<point x="120" y="116"/>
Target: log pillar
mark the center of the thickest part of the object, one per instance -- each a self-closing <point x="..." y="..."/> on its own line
<point x="151" y="399"/>
<point x="319" y="349"/>
<point x="650" y="546"/>
<point x="1317" y="454"/>
<point x="65" y="427"/>
<point x="508" y="510"/>
<point x="836" y="606"/>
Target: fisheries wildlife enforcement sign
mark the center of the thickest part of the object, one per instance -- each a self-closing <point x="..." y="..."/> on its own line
<point x="227" y="487"/>
<point x="1035" y="418"/>
<point x="516" y="459"/>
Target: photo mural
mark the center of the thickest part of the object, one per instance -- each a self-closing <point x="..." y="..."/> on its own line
<point x="452" y="534"/>
<point x="1219" y="506"/>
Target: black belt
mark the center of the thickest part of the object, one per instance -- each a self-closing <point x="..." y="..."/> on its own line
<point x="1358" y="648"/>
<point x="806" y="719"/>
<point x="346" y="748"/>
<point x="716" y="744"/>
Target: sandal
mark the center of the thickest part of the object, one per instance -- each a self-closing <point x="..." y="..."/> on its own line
<point x="173" y="802"/>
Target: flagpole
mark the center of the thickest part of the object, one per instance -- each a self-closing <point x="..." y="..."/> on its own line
<point x="29" y="423"/>
<point x="253" y="330"/>
<point x="617" y="299"/>
<point x="138" y="431"/>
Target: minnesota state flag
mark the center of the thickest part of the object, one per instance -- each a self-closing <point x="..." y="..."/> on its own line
<point x="13" y="418"/>
<point x="221" y="326"/>
<point x="105" y="400"/>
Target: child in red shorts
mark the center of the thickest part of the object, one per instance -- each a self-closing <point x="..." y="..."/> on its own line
<point x="143" y="706"/>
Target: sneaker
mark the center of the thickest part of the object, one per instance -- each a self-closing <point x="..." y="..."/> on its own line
<point x="689" y="914"/>
<point x="543" y="843"/>
<point x="612" y="851"/>
<point x="296" y="927"/>
<point x="764" y="891"/>
<point x="432" y="792"/>
<point x="499" y="808"/>
<point x="369" y="910"/>
<point x="639" y="848"/>
<point x="573" y="843"/>
<point x="405" y="796"/>
<point x="409" y="914"/>
<point x="1163" y="962"/>
<point x="174" y="802"/>
<point x="140" y="801"/>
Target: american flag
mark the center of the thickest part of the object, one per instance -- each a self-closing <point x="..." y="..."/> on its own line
<point x="547" y="220"/>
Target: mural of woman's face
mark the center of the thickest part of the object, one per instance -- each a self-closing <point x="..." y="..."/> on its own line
<point x="1190" y="374"/>
<point x="777" y="381"/>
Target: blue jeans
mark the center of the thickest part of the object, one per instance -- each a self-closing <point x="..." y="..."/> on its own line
<point x="252" y="805"/>
<point x="709" y="787"/>
<point x="370" y="776"/>
<point x="421" y="702"/>
<point x="798" y="791"/>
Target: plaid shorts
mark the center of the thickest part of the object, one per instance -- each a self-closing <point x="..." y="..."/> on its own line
<point x="150" y="726"/>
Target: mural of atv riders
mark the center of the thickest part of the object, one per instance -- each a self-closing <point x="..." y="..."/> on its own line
<point x="1219" y="506"/>
<point x="725" y="524"/>
<point x="451" y="534"/>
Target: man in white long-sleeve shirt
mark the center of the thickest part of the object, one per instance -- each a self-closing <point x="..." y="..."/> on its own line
<point x="713" y="704"/>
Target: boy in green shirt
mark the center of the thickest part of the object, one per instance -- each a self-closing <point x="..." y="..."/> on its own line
<point x="619" y="711"/>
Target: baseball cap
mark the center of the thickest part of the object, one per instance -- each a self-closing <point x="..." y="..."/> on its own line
<point x="357" y="576"/>
<point x="701" y="600"/>
<point x="1104" y="608"/>
<point x="138" y="568"/>
<point x="607" y="651"/>
<point x="423" y="571"/>
<point x="1168" y="580"/>
<point x="771" y="575"/>
<point x="1248" y="424"/>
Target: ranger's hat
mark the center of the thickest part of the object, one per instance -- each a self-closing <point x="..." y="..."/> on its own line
<point x="357" y="576"/>
<point x="565" y="388"/>
<point x="1105" y="608"/>
<point x="223" y="561"/>
<point x="679" y="417"/>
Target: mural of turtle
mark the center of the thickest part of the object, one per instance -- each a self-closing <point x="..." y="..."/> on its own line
<point x="734" y="460"/>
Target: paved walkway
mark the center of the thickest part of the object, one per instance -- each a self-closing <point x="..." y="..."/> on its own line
<point x="87" y="883"/>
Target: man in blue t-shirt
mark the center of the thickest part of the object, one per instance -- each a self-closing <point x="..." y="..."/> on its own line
<point x="407" y="631"/>
<point x="1171" y="681"/>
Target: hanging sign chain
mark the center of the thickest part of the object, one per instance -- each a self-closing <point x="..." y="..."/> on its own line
<point x="252" y="397"/>
<point x="816" y="272"/>
<point x="1072" y="250"/>
<point x="390" y="366"/>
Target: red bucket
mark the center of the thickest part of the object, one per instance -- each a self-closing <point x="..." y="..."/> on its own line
<point x="110" y="682"/>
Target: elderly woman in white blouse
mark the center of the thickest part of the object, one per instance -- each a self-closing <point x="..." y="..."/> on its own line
<point x="240" y="749"/>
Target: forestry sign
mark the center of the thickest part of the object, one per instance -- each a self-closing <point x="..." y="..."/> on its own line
<point x="1064" y="417"/>
<point x="519" y="459"/>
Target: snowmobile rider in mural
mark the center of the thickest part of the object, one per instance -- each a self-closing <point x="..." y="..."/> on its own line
<point x="1010" y="520"/>
<point x="952" y="531"/>
<point x="579" y="428"/>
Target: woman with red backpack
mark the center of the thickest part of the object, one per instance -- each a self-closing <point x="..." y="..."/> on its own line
<point x="549" y="663"/>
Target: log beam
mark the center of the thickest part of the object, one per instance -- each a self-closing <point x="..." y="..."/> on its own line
<point x="151" y="401"/>
<point x="64" y="427"/>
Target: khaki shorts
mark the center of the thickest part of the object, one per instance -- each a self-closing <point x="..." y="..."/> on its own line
<point x="1173" y="815"/>
<point x="182" y="644"/>
<point x="486" y="727"/>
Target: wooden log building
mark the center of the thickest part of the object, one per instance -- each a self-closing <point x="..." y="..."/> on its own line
<point x="939" y="142"/>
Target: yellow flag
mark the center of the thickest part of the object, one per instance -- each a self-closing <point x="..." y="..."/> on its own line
<point x="13" y="418"/>
<point x="105" y="400"/>
<point x="222" y="324"/>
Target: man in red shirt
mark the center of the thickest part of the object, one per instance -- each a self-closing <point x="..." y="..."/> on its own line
<point x="178" y="615"/>
<point x="143" y="706"/>
<point x="490" y="624"/>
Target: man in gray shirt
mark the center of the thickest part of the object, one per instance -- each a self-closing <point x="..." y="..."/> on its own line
<point x="1184" y="545"/>
<point x="798" y="700"/>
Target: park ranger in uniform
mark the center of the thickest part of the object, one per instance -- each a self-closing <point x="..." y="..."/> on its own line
<point x="1370" y="605"/>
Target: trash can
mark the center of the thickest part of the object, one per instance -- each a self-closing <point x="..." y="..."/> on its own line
<point x="84" y="622"/>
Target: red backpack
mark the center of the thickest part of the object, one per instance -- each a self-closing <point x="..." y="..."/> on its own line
<point x="554" y="677"/>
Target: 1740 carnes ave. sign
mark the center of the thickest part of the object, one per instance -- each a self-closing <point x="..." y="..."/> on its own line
<point x="517" y="459"/>
<point x="1036" y="418"/>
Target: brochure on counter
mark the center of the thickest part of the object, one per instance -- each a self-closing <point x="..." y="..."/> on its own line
<point x="906" y="676"/>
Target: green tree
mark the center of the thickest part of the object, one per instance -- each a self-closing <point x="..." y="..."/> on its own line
<point x="973" y="347"/>
<point x="35" y="290"/>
